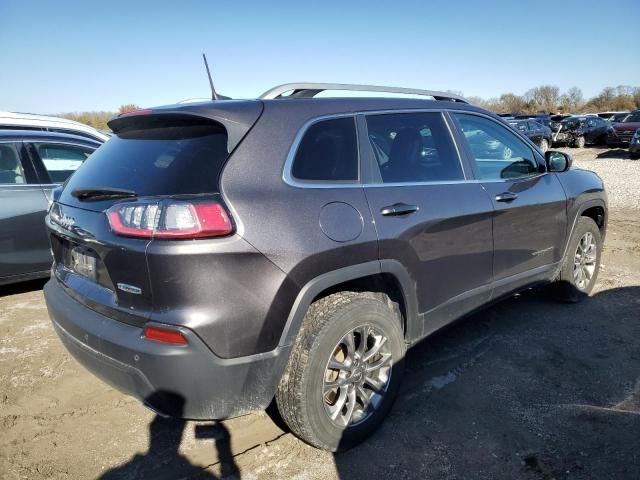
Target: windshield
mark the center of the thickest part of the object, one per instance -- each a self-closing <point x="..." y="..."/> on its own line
<point x="573" y="122"/>
<point x="632" y="117"/>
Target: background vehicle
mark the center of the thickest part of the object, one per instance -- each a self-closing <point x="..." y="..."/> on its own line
<point x="613" y="117"/>
<point x="536" y="132"/>
<point x="634" y="145"/>
<point x="543" y="118"/>
<point x="556" y="119"/>
<point x="581" y="130"/>
<point x="32" y="163"/>
<point x="318" y="240"/>
<point x="620" y="133"/>
<point x="27" y="121"/>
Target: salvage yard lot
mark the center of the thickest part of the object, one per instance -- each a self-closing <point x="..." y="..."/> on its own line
<point x="528" y="388"/>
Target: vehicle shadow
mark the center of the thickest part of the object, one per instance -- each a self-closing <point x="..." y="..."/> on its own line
<point x="22" y="287"/>
<point x="529" y="388"/>
<point x="618" y="153"/>
<point x="163" y="460"/>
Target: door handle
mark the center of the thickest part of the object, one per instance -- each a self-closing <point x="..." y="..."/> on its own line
<point x="506" y="197"/>
<point x="398" y="209"/>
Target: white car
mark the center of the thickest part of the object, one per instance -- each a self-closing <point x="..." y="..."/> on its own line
<point x="27" y="121"/>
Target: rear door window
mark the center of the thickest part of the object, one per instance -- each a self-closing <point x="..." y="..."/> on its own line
<point x="11" y="171"/>
<point x="171" y="160"/>
<point x="413" y="147"/>
<point x="61" y="160"/>
<point x="328" y="152"/>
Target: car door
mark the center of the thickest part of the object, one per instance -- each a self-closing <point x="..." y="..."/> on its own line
<point x="535" y="132"/>
<point x="530" y="221"/>
<point x="602" y="128"/>
<point x="428" y="217"/>
<point x="56" y="161"/>
<point x="591" y="131"/>
<point x="24" y="247"/>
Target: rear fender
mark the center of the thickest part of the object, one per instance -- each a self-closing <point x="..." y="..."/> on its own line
<point x="327" y="280"/>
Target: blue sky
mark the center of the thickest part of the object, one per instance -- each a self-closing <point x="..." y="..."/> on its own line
<point x="60" y="56"/>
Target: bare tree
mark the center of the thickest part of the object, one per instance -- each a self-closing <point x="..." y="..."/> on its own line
<point x="543" y="99"/>
<point x="129" y="107"/>
<point x="572" y="100"/>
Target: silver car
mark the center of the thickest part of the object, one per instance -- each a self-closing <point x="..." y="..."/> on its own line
<point x="32" y="164"/>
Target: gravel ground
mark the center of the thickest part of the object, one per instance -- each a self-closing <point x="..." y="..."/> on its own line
<point x="527" y="389"/>
<point x="621" y="175"/>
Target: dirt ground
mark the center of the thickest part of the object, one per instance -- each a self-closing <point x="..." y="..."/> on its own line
<point x="526" y="389"/>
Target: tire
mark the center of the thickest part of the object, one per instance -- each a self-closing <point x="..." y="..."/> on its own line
<point x="579" y="142"/>
<point x="634" y="156"/>
<point x="544" y="144"/>
<point x="305" y="398"/>
<point x="571" y="286"/>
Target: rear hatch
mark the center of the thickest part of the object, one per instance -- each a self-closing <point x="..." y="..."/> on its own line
<point x="157" y="177"/>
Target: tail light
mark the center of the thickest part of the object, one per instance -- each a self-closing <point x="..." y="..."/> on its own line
<point x="180" y="220"/>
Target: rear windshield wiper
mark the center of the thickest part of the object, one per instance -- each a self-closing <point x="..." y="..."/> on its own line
<point x="102" y="193"/>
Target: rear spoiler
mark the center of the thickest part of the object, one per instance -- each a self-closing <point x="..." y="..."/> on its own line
<point x="236" y="116"/>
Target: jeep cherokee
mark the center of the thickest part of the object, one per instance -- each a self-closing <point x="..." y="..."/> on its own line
<point x="233" y="253"/>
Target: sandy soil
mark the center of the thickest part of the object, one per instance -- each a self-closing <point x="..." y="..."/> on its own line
<point x="526" y="389"/>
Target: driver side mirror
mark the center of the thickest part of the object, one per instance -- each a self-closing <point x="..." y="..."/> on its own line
<point x="557" y="161"/>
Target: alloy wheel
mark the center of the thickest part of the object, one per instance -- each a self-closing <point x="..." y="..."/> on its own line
<point x="357" y="376"/>
<point x="584" y="262"/>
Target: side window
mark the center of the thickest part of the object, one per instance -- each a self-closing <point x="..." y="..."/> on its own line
<point x="11" y="171"/>
<point x="591" y="123"/>
<point x="534" y="126"/>
<point x="413" y="147"/>
<point x="61" y="160"/>
<point x="328" y="152"/>
<point x="499" y="154"/>
<point x="521" y="126"/>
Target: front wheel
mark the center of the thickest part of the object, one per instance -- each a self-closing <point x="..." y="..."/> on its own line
<point x="544" y="144"/>
<point x="581" y="264"/>
<point x="344" y="370"/>
<point x="579" y="142"/>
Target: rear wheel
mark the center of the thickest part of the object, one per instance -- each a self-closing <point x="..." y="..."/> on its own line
<point x="581" y="264"/>
<point x="344" y="371"/>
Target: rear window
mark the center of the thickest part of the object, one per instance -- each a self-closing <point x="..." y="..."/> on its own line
<point x="157" y="161"/>
<point x="328" y="152"/>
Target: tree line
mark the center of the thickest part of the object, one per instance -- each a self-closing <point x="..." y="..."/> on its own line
<point x="98" y="119"/>
<point x="550" y="99"/>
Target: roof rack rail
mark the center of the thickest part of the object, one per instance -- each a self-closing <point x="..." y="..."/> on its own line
<point x="309" y="90"/>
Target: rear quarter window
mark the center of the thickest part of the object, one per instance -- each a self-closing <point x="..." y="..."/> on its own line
<point x="158" y="161"/>
<point x="328" y="152"/>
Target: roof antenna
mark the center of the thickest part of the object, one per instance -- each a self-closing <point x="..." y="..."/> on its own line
<point x="214" y="95"/>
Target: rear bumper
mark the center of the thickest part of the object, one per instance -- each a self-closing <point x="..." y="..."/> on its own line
<point x="182" y="381"/>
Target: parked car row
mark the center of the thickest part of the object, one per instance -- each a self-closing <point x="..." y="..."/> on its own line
<point x="613" y="129"/>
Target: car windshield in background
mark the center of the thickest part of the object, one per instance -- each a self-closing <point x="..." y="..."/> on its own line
<point x="632" y="117"/>
<point x="573" y="122"/>
<point x="157" y="161"/>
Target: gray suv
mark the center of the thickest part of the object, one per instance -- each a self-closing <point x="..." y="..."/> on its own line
<point x="212" y="258"/>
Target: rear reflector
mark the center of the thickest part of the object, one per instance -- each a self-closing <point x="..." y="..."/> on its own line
<point x="165" y="335"/>
<point x="180" y="220"/>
